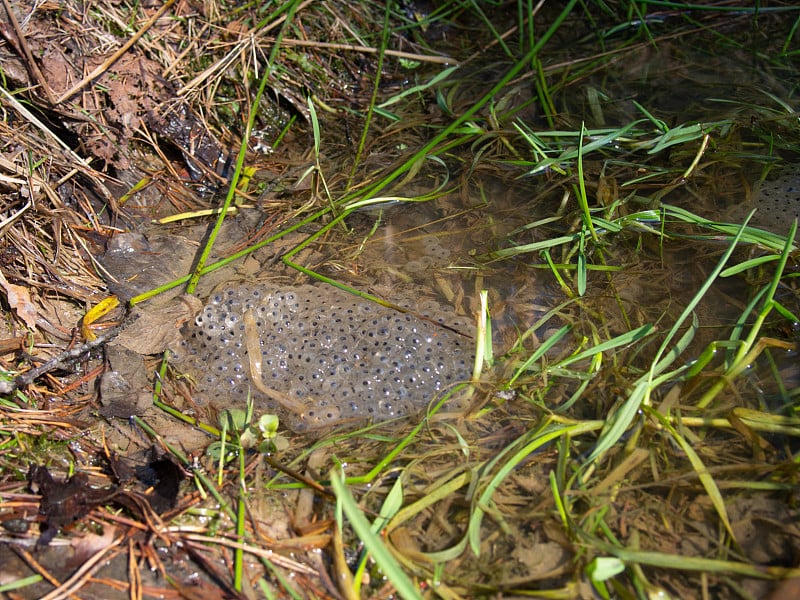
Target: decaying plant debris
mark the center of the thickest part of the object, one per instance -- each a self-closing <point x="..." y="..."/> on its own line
<point x="617" y="444"/>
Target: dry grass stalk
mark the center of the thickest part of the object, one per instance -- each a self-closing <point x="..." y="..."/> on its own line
<point x="102" y="68"/>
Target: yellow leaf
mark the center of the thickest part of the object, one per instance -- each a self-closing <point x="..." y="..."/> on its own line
<point x="102" y="308"/>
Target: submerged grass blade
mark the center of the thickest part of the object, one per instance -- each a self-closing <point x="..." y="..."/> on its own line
<point x="483" y="338"/>
<point x="555" y="157"/>
<point x="621" y="340"/>
<point x="533" y="247"/>
<point x="418" y="89"/>
<point x="702" y="472"/>
<point x="583" y="203"/>
<point x="507" y="460"/>
<point x="387" y="563"/>
<point x="745" y="233"/>
<point x="705" y="565"/>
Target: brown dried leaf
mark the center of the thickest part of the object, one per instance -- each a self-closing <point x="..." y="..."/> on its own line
<point x="19" y="299"/>
<point x="63" y="501"/>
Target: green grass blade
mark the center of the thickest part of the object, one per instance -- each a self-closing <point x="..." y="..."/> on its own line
<point x="581" y="272"/>
<point x="647" y="383"/>
<point x="418" y="89"/>
<point x="391" y="504"/>
<point x="533" y="247"/>
<point x="702" y="472"/>
<point x="749" y="264"/>
<point x="538" y="353"/>
<point x="621" y="340"/>
<point x="374" y="545"/>
<point x="743" y="356"/>
<point x="465" y="117"/>
<point x="640" y="395"/>
<point x="583" y="203"/>
<point x="266" y="77"/>
<point x="19" y="584"/>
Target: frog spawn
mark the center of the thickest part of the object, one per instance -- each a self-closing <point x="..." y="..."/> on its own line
<point x="331" y="356"/>
<point x="777" y="201"/>
<point x="432" y="254"/>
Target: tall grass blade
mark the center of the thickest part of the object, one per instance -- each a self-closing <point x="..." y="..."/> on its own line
<point x="262" y="86"/>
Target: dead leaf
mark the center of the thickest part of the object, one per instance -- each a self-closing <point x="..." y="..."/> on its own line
<point x="20" y="300"/>
<point x="63" y="501"/>
<point x="91" y="543"/>
<point x="154" y="329"/>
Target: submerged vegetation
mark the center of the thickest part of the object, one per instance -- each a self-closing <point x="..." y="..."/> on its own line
<point x="588" y="173"/>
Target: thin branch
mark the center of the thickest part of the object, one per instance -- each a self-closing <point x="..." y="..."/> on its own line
<point x="20" y="381"/>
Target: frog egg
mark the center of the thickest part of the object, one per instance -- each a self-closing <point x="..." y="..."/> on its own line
<point x="216" y="299"/>
<point x="389" y="409"/>
<point x="419" y="265"/>
<point x="367" y="308"/>
<point x="432" y="247"/>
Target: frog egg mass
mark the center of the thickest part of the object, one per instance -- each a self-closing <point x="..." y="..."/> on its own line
<point x="777" y="201"/>
<point x="319" y="356"/>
